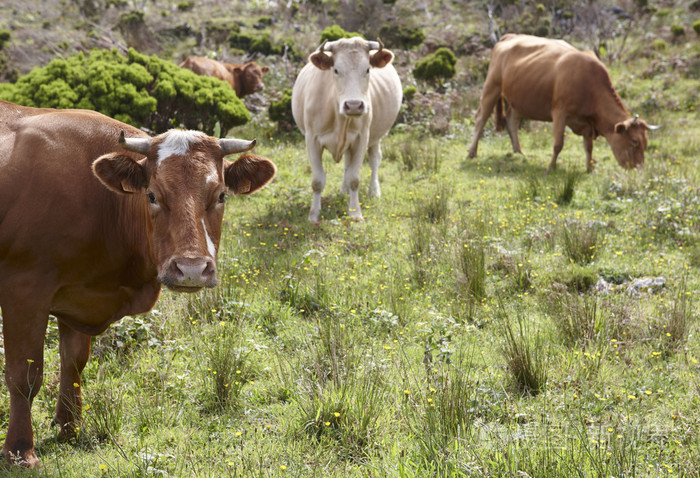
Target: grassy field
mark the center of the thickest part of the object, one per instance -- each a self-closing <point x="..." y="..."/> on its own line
<point x="484" y="319"/>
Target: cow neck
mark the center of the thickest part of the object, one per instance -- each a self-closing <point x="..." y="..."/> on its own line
<point x="611" y="109"/>
<point x="136" y="228"/>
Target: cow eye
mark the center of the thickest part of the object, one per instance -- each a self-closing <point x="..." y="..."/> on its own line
<point x="222" y="197"/>
<point x="335" y="70"/>
<point x="367" y="72"/>
<point x="151" y="198"/>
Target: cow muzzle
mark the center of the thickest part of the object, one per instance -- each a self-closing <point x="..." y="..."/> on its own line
<point x="354" y="108"/>
<point x="189" y="274"/>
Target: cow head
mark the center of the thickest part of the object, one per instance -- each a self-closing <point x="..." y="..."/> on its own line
<point x="629" y="141"/>
<point x="250" y="76"/>
<point x="351" y="63"/>
<point x="182" y="181"/>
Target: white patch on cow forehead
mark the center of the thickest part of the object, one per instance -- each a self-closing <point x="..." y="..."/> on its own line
<point x="210" y="243"/>
<point x="212" y="177"/>
<point x="177" y="143"/>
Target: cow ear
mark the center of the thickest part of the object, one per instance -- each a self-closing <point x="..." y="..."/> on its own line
<point x="381" y="58"/>
<point x="248" y="173"/>
<point x="119" y="173"/>
<point x="321" y="60"/>
<point x="265" y="69"/>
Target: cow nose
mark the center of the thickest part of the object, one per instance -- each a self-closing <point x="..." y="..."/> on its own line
<point x="354" y="107"/>
<point x="260" y="87"/>
<point x="193" y="272"/>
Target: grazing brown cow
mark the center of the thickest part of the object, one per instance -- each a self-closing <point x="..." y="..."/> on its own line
<point x="245" y="79"/>
<point x="91" y="224"/>
<point x="550" y="80"/>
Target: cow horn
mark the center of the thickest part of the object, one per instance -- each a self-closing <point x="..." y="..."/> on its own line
<point x="375" y="45"/>
<point x="137" y="145"/>
<point x="322" y="45"/>
<point x="653" y="127"/>
<point x="634" y="120"/>
<point x="231" y="145"/>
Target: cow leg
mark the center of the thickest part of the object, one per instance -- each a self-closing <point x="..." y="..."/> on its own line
<point x="559" y="121"/>
<point x="74" y="348"/>
<point x="375" y="157"/>
<point x="489" y="97"/>
<point x="588" y="146"/>
<point x="318" y="177"/>
<point x="24" y="328"/>
<point x="351" y="177"/>
<point x="512" y="123"/>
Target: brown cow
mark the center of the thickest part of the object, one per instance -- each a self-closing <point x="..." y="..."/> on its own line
<point x="245" y="79"/>
<point x="90" y="227"/>
<point x="550" y="80"/>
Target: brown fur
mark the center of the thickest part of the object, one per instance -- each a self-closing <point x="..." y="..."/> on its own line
<point x="245" y="79"/>
<point x="550" y="80"/>
<point x="90" y="251"/>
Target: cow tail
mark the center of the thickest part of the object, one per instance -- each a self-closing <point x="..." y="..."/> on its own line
<point x="499" y="116"/>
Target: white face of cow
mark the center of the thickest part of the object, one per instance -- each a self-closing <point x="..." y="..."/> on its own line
<point x="351" y="64"/>
<point x="183" y="181"/>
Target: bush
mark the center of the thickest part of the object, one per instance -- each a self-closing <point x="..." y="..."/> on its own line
<point x="677" y="30"/>
<point x="261" y="44"/>
<point x="4" y="37"/>
<point x="335" y="32"/>
<point x="401" y="36"/>
<point x="435" y="66"/>
<point x="658" y="44"/>
<point x="281" y="111"/>
<point x="409" y="92"/>
<point x="696" y="27"/>
<point x="138" y="89"/>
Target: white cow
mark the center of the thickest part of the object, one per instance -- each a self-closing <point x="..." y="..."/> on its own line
<point x="346" y="102"/>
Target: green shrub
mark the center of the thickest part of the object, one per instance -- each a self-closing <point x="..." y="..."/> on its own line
<point x="138" y="89"/>
<point x="281" y="111"/>
<point x="335" y="32"/>
<point x="436" y="66"/>
<point x="185" y="6"/>
<point x="4" y="37"/>
<point x="401" y="36"/>
<point x="677" y="30"/>
<point x="261" y="44"/>
<point x="658" y="44"/>
<point x="409" y="92"/>
<point x="696" y="27"/>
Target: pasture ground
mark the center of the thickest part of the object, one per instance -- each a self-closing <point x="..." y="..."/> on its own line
<point x="457" y="331"/>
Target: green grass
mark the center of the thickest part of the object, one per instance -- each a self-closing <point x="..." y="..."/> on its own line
<point x="455" y="332"/>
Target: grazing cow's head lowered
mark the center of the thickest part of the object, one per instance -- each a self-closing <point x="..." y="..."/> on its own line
<point x="183" y="181"/>
<point x="351" y="62"/>
<point x="629" y="141"/>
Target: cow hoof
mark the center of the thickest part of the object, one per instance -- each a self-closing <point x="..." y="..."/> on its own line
<point x="27" y="459"/>
<point x="66" y="431"/>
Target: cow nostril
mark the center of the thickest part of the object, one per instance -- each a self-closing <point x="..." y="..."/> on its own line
<point x="353" y="106"/>
<point x="193" y="271"/>
<point x="209" y="271"/>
